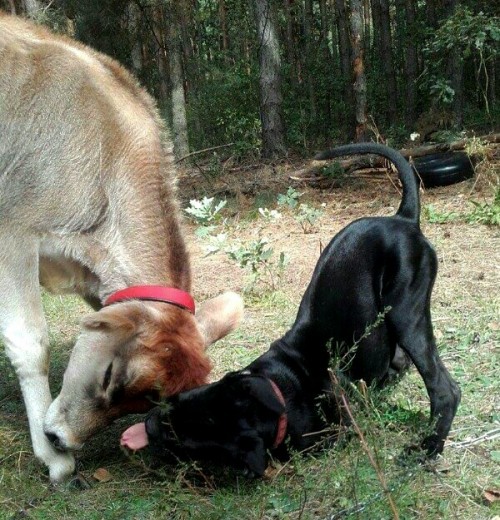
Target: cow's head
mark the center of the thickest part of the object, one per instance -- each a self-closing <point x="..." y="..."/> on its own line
<point x="131" y="354"/>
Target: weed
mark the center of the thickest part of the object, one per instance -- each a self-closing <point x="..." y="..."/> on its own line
<point x="206" y="211"/>
<point x="290" y="198"/>
<point x="256" y="256"/>
<point x="474" y="147"/>
<point x="333" y="171"/>
<point x="434" y="216"/>
<point x="269" y="214"/>
<point x="484" y="213"/>
<point x="307" y="216"/>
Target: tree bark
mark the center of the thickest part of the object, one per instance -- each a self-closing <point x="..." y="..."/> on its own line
<point x="387" y="61"/>
<point x="32" y="7"/>
<point x="290" y="42"/>
<point x="308" y="36"/>
<point x="344" y="53"/>
<point x="179" y="120"/>
<point x="162" y="57"/>
<point x="134" y="16"/>
<point x="273" y="141"/>
<point x="455" y="69"/>
<point x="411" y="64"/>
<point x="359" y="87"/>
<point x="223" y="26"/>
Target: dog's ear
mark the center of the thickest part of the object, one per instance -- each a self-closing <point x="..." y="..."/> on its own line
<point x="252" y="452"/>
<point x="260" y="389"/>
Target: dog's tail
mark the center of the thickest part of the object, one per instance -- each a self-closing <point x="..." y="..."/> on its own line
<point x="410" y="203"/>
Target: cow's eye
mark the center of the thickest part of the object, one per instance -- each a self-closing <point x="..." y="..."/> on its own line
<point x="107" y="377"/>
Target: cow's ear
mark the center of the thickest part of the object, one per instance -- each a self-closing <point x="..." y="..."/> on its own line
<point x="125" y="317"/>
<point x="219" y="316"/>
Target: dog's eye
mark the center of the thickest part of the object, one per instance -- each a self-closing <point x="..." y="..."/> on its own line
<point x="107" y="377"/>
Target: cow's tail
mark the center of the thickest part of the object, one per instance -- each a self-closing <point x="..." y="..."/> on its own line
<point x="410" y="203"/>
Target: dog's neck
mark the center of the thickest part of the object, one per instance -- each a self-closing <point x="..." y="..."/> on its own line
<point x="283" y="419"/>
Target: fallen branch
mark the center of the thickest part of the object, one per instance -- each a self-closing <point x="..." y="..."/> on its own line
<point x="313" y="174"/>
<point x="198" y="152"/>
<point x="488" y="436"/>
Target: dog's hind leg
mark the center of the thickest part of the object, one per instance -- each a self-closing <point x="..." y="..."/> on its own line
<point x="413" y="328"/>
<point x="410" y="320"/>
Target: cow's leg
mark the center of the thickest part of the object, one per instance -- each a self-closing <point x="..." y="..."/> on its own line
<point x="24" y="330"/>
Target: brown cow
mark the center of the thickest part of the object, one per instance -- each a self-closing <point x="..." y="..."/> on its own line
<point x="87" y="205"/>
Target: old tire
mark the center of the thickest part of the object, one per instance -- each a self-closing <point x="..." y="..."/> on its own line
<point x="443" y="169"/>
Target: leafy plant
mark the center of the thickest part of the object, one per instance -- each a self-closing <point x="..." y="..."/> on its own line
<point x="307" y="217"/>
<point x="439" y="217"/>
<point x="466" y="34"/>
<point x="256" y="256"/>
<point x="333" y="171"/>
<point x="485" y="213"/>
<point x="269" y="214"/>
<point x="290" y="198"/>
<point x="205" y="211"/>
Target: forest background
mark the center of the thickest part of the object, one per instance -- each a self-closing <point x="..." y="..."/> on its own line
<point x="271" y="77"/>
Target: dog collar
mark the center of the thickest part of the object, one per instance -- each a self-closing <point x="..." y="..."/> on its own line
<point x="283" y="420"/>
<point x="156" y="293"/>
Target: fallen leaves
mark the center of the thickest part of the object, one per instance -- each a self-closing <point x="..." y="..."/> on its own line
<point x="102" y="475"/>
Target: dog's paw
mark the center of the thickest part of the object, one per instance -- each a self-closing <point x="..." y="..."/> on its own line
<point x="422" y="453"/>
<point x="433" y="445"/>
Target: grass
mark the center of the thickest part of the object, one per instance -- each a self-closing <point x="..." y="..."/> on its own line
<point x="335" y="483"/>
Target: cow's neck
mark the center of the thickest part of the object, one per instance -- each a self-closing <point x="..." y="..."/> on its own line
<point x="147" y="248"/>
<point x="139" y="242"/>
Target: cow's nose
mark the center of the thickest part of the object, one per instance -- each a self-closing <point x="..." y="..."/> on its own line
<point x="54" y="440"/>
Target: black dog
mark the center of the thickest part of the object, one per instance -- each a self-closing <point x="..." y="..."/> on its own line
<point x="374" y="266"/>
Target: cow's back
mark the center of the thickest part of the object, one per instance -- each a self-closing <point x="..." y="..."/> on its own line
<point x="75" y="126"/>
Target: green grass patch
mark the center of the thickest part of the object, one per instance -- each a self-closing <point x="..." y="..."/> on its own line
<point x="336" y="482"/>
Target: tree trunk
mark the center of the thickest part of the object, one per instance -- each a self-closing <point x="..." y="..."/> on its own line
<point x="359" y="86"/>
<point x="32" y="7"/>
<point x="179" y="120"/>
<point x="367" y="27"/>
<point x="308" y="36"/>
<point x="162" y="58"/>
<point x="431" y="14"/>
<point x="455" y="69"/>
<point x="377" y="31"/>
<point x="411" y="64"/>
<point x="223" y="26"/>
<point x="491" y="68"/>
<point x="290" y="42"/>
<point x="344" y="52"/>
<point x="387" y="61"/>
<point x="273" y="141"/>
<point x="134" y="17"/>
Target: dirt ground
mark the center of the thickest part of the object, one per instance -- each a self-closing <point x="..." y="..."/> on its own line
<point x="469" y="255"/>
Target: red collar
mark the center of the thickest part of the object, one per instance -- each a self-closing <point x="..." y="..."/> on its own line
<point x="155" y="293"/>
<point x="283" y="420"/>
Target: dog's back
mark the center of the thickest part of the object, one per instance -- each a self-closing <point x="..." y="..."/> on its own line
<point x="350" y="292"/>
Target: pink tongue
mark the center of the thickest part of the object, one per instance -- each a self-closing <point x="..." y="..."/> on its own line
<point x="135" y="437"/>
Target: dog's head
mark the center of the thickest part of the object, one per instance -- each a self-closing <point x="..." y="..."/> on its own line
<point x="233" y="421"/>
